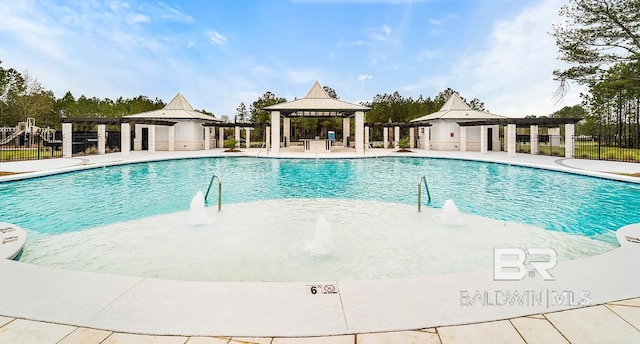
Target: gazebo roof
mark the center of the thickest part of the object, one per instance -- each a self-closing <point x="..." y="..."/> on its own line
<point x="317" y="103"/>
<point x="178" y="108"/>
<point x="456" y="109"/>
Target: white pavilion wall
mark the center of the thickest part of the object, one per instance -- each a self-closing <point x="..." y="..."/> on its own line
<point x="189" y="135"/>
<point x="441" y="136"/>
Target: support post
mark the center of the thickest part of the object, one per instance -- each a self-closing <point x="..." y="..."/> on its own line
<point x="359" y="132"/>
<point x="286" y="131"/>
<point x="511" y="140"/>
<point x="247" y="137"/>
<point x="396" y="137"/>
<point x="366" y="136"/>
<point x="412" y="138"/>
<point x="275" y="132"/>
<point x="346" y="131"/>
<point x="484" y="144"/>
<point x="533" y="139"/>
<point x="102" y="140"/>
<point x="125" y="139"/>
<point x="207" y="138"/>
<point x="236" y="136"/>
<point x="569" y="131"/>
<point x="172" y="138"/>
<point x="220" y="137"/>
<point x="152" y="138"/>
<point x="427" y="138"/>
<point x="67" y="140"/>
<point x="385" y="137"/>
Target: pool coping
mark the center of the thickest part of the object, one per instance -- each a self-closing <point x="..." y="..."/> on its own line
<point x="274" y="309"/>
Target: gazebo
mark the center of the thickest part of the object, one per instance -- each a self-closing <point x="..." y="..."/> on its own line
<point x="447" y="134"/>
<point x="187" y="134"/>
<point x="316" y="104"/>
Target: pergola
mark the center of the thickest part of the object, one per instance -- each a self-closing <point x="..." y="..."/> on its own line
<point x="316" y="104"/>
<point x="125" y="129"/>
<point x="510" y="133"/>
<point x="228" y="125"/>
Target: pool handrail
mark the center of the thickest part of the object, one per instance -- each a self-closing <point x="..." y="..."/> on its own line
<point x="219" y="190"/>
<point x="420" y="191"/>
<point x="260" y="151"/>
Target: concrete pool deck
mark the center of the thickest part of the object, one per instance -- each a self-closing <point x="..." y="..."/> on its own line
<point x="594" y="299"/>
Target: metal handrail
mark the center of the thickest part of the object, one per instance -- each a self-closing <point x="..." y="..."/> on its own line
<point x="370" y="146"/>
<point x="219" y="190"/>
<point x="420" y="191"/>
<point x="260" y="151"/>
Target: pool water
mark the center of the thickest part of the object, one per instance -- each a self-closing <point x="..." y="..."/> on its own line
<point x="119" y="199"/>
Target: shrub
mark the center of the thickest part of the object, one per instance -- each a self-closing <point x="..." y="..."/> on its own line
<point x="403" y="143"/>
<point x="230" y="143"/>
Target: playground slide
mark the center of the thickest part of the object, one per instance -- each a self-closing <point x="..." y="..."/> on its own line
<point x="12" y="137"/>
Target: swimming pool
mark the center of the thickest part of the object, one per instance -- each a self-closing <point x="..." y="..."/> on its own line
<point x="273" y="191"/>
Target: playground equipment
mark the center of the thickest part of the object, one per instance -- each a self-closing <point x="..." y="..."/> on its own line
<point x="11" y="136"/>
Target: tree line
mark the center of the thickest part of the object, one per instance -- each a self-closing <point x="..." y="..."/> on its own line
<point x="601" y="42"/>
<point x="23" y="96"/>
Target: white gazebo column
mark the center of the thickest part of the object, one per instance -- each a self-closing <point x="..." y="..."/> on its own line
<point x="172" y="138"/>
<point x="412" y="138"/>
<point x="236" y="135"/>
<point x="125" y="139"/>
<point x="102" y="129"/>
<point x="220" y="137"/>
<point x="385" y="137"/>
<point x="359" y="132"/>
<point x="346" y="130"/>
<point x="463" y="138"/>
<point x="427" y="138"/>
<point x="396" y="137"/>
<point x="286" y="131"/>
<point x="484" y="146"/>
<point x="533" y="139"/>
<point x="207" y="138"/>
<point x="67" y="140"/>
<point x="275" y="132"/>
<point x="267" y="138"/>
<point x="137" y="138"/>
<point x="213" y="136"/>
<point x="152" y="138"/>
<point x="511" y="140"/>
<point x="569" y="131"/>
<point x="247" y="137"/>
<point x="366" y="136"/>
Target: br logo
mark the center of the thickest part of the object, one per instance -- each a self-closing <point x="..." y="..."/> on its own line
<point x="512" y="264"/>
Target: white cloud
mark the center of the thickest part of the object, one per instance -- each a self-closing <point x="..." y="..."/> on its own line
<point x="140" y="18"/>
<point x="216" y="38"/>
<point x="363" y="77"/>
<point x="379" y="34"/>
<point x="513" y="75"/>
<point x="173" y="14"/>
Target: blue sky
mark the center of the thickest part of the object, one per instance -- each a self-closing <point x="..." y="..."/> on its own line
<point x="221" y="53"/>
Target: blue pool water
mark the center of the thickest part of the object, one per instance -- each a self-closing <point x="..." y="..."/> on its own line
<point x="551" y="200"/>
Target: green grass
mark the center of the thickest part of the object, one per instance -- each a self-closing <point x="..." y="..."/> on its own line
<point x="27" y="154"/>
<point x="586" y="150"/>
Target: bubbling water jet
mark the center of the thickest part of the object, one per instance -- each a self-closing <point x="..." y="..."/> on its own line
<point x="450" y="215"/>
<point x="197" y="215"/>
<point x="323" y="243"/>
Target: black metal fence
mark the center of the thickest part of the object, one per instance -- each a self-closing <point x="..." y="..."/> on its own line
<point x="31" y="147"/>
<point x="86" y="142"/>
<point x="551" y="145"/>
<point x="601" y="147"/>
